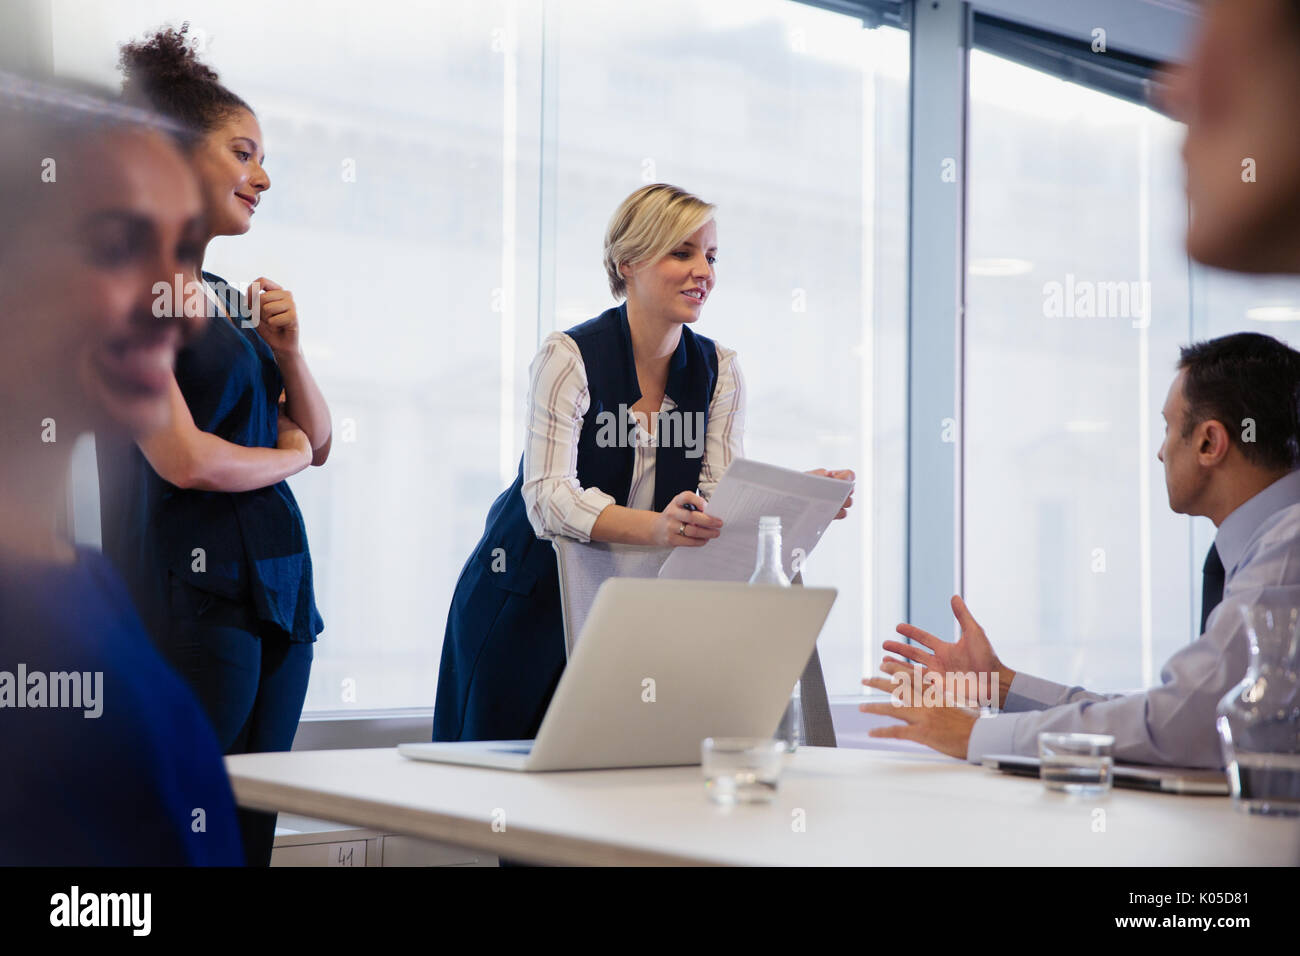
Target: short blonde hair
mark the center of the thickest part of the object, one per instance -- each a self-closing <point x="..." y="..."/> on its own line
<point x="647" y="225"/>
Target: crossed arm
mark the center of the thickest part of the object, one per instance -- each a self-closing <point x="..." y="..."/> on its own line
<point x="188" y="457"/>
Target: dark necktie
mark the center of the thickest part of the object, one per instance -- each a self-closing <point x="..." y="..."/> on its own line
<point x="1211" y="584"/>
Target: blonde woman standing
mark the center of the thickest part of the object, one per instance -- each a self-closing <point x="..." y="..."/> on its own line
<point x="632" y="419"/>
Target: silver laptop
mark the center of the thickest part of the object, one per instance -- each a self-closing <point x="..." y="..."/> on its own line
<point x="659" y="666"/>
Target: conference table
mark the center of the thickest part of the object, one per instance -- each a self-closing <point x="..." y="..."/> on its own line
<point x="834" y="807"/>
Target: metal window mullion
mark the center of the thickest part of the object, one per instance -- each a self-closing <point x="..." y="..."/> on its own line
<point x="548" y="173"/>
<point x="940" y="40"/>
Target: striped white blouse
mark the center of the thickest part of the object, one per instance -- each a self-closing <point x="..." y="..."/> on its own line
<point x="558" y="400"/>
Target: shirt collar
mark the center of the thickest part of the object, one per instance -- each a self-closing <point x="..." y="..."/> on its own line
<point x="1239" y="527"/>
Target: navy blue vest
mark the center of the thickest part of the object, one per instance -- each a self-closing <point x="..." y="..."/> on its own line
<point x="606" y="346"/>
<point x="503" y="650"/>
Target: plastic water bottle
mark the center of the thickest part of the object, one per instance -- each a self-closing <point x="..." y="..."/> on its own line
<point x="768" y="569"/>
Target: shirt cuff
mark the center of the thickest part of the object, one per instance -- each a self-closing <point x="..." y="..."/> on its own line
<point x="583" y="512"/>
<point x="1028" y="692"/>
<point x="992" y="735"/>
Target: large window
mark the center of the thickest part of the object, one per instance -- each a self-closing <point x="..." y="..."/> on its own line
<point x="1078" y="298"/>
<point x="389" y="146"/>
<point x="793" y="120"/>
<point x="442" y="175"/>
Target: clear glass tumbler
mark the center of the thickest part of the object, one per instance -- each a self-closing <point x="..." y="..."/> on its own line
<point x="741" y="769"/>
<point x="1076" y="763"/>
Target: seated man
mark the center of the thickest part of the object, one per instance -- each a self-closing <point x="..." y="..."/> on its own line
<point x="1230" y="453"/>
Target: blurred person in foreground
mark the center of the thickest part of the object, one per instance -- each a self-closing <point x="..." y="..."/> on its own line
<point x="108" y="758"/>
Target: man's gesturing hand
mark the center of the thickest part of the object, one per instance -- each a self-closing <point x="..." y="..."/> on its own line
<point x="946" y="729"/>
<point x="971" y="654"/>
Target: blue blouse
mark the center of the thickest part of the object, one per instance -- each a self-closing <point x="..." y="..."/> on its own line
<point x="143" y="782"/>
<point x="254" y="543"/>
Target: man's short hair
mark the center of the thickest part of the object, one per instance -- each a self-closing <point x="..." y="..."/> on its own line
<point x="1249" y="383"/>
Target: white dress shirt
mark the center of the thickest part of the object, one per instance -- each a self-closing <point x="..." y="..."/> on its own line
<point x="558" y="400"/>
<point x="1172" y="724"/>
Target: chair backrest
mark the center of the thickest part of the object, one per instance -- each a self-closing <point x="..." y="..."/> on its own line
<point x="584" y="567"/>
<point x="814" y="702"/>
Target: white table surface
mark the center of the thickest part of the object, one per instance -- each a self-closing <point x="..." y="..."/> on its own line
<point x="857" y="807"/>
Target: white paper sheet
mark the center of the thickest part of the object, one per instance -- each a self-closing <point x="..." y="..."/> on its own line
<point x="806" y="504"/>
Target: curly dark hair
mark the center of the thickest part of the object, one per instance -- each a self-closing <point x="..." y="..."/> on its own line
<point x="164" y="73"/>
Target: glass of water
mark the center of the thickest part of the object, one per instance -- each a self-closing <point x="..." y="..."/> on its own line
<point x="1076" y="763"/>
<point x="741" y="769"/>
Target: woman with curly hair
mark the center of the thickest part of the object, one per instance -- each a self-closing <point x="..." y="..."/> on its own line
<point x="198" y="516"/>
